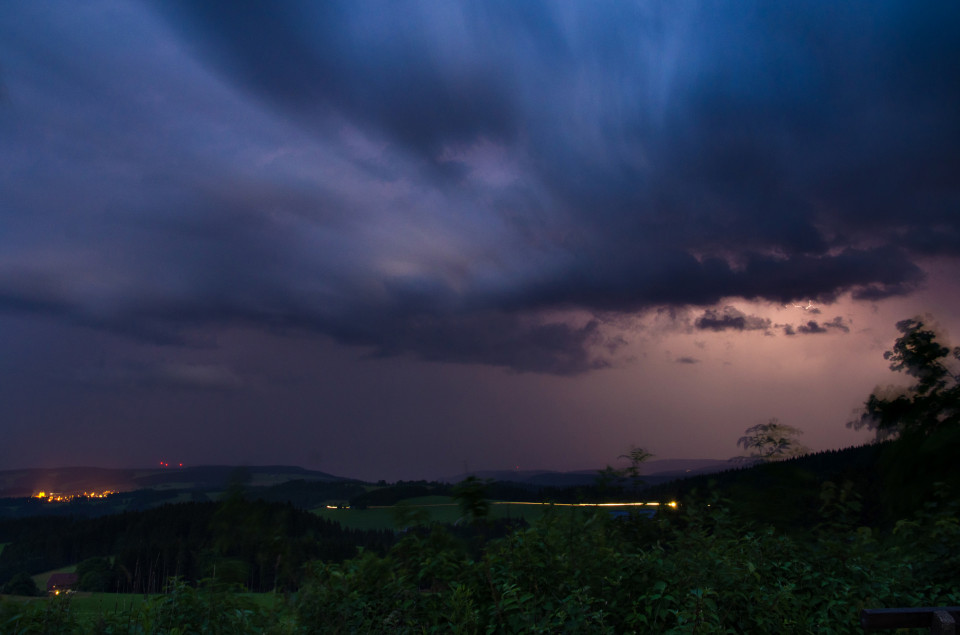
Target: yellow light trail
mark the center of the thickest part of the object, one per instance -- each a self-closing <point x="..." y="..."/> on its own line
<point x="673" y="504"/>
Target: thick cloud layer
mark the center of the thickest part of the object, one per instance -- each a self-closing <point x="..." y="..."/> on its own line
<point x="446" y="180"/>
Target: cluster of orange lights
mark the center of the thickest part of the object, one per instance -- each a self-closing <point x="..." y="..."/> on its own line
<point x="55" y="497"/>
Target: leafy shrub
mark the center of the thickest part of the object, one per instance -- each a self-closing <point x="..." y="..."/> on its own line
<point x="701" y="569"/>
<point x="21" y="584"/>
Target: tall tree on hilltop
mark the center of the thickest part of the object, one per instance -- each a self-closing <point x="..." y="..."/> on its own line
<point x="928" y="406"/>
<point x="637" y="457"/>
<point x="611" y="480"/>
<point x="772" y="441"/>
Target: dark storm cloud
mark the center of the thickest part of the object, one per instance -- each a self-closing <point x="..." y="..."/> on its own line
<point x="377" y="63"/>
<point x="740" y="120"/>
<point x="23" y="292"/>
<point x="632" y="281"/>
<point x="687" y="360"/>
<point x="436" y="179"/>
<point x="837" y="323"/>
<point x="730" y="318"/>
<point x="499" y="340"/>
<point x="812" y="327"/>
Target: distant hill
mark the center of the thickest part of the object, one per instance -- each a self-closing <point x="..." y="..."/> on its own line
<point x="654" y="472"/>
<point x="73" y="480"/>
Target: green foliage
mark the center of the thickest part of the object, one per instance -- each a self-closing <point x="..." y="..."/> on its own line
<point x="471" y="495"/>
<point x="96" y="574"/>
<point x="840" y="507"/>
<point x="21" y="584"/>
<point x="51" y="617"/>
<point x="210" y="607"/>
<point x="367" y="594"/>
<point x="700" y="569"/>
<point x="406" y="516"/>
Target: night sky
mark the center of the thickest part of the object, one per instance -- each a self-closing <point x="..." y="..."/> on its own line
<point x="401" y="239"/>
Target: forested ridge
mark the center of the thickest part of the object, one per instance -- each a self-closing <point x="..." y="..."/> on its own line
<point x="261" y="545"/>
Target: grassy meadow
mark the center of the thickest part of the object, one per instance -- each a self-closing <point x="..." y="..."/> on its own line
<point x="424" y="510"/>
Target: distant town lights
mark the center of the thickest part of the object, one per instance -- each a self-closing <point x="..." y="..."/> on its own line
<point x="56" y="497"/>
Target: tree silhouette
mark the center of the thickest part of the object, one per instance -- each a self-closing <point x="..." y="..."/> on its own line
<point x="637" y="457"/>
<point x="611" y="480"/>
<point x="772" y="441"/>
<point x="21" y="584"/>
<point x="929" y="405"/>
<point x="471" y="495"/>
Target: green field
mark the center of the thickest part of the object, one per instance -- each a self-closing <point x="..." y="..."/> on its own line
<point x="439" y="509"/>
<point x="89" y="608"/>
<point x="90" y="605"/>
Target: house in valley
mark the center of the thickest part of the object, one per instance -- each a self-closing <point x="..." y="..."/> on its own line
<point x="62" y="583"/>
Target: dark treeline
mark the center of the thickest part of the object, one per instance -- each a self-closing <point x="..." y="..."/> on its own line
<point x="308" y="494"/>
<point x="789" y="493"/>
<point x="892" y="480"/>
<point x="215" y="477"/>
<point x="261" y="545"/>
<point x="495" y="490"/>
<point x="399" y="491"/>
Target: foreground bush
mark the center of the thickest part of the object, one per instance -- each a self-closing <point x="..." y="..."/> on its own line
<point x="698" y="570"/>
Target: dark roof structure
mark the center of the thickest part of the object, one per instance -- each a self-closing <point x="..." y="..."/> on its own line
<point x="61" y="581"/>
